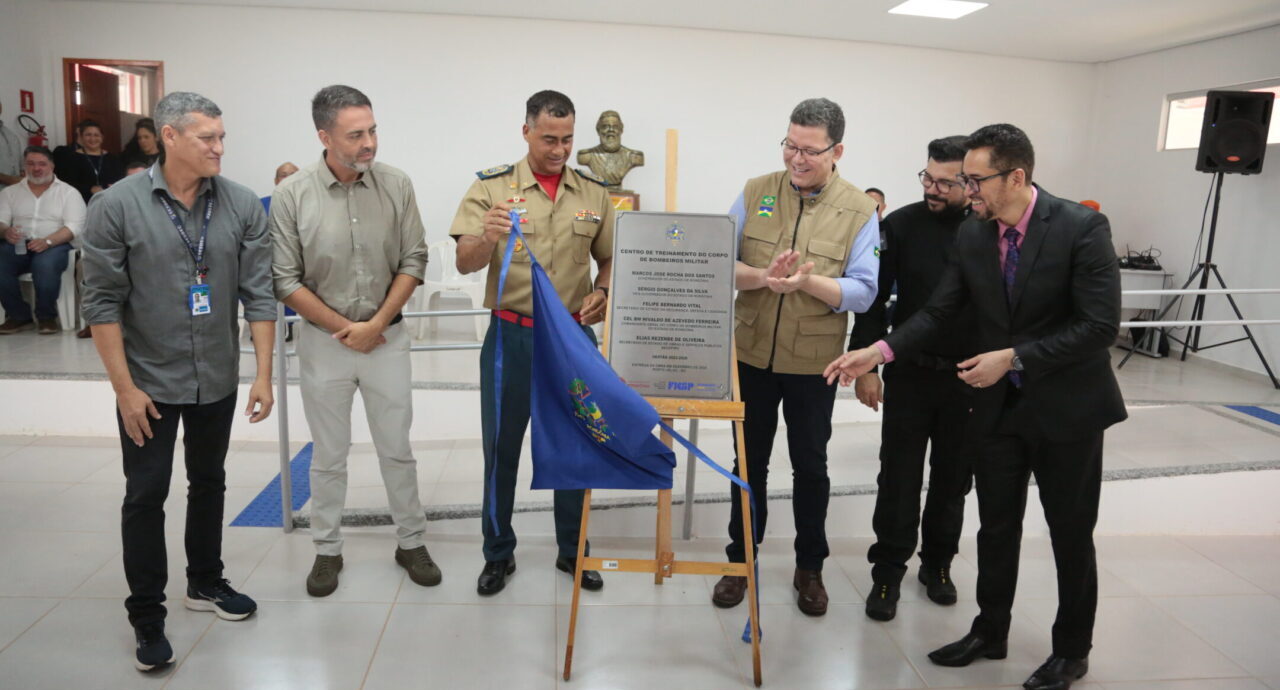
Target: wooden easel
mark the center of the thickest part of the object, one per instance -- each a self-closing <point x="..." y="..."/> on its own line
<point x="664" y="564"/>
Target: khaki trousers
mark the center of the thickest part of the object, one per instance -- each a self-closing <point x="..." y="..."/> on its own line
<point x="331" y="374"/>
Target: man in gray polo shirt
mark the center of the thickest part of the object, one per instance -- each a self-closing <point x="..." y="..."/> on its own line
<point x="168" y="254"/>
<point x="348" y="253"/>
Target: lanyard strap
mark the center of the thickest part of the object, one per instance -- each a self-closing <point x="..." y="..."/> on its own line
<point x="196" y="250"/>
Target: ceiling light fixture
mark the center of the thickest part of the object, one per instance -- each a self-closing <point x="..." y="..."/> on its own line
<point x="938" y="9"/>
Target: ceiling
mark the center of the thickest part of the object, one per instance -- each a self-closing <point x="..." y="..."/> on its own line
<point x="1068" y="30"/>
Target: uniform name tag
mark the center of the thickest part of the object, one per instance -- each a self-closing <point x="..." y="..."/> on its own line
<point x="198" y="300"/>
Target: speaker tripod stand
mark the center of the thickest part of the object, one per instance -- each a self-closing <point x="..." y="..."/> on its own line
<point x="1202" y="272"/>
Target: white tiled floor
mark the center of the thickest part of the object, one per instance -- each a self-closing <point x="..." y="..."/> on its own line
<point x="1175" y="613"/>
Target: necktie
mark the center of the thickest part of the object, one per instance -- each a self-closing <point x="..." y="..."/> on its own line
<point x="1011" y="256"/>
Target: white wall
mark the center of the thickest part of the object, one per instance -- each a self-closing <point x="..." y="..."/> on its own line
<point x="22" y="64"/>
<point x="1156" y="197"/>
<point x="449" y="92"/>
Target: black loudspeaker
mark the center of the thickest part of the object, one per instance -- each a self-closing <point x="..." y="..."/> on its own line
<point x="1233" y="137"/>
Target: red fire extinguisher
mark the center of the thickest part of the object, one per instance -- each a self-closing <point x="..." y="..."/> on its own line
<point x="35" y="129"/>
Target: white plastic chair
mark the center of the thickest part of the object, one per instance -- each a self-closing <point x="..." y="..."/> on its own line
<point x="444" y="255"/>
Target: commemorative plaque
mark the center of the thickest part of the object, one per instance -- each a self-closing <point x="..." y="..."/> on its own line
<point x="671" y="329"/>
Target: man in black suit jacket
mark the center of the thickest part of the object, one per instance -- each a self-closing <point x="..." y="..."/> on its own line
<point x="1041" y="275"/>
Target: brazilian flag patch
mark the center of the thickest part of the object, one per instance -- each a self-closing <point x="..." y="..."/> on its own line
<point x="769" y="201"/>
<point x="876" y="252"/>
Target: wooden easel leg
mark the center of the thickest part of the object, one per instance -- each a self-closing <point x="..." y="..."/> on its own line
<point x="577" y="582"/>
<point x="663" y="555"/>
<point x="752" y="602"/>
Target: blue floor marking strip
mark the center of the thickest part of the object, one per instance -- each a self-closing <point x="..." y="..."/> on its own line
<point x="1259" y="412"/>
<point x="264" y="511"/>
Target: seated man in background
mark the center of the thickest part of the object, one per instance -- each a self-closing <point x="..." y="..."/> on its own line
<point x="39" y="217"/>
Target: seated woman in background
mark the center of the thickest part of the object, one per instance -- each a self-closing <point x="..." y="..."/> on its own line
<point x="144" y="147"/>
<point x="87" y="166"/>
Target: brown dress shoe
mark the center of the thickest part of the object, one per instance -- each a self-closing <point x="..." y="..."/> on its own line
<point x="811" y="595"/>
<point x="11" y="326"/>
<point x="729" y="591"/>
<point x="48" y="327"/>
<point x="85" y="332"/>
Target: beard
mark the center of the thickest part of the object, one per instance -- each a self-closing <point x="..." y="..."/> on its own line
<point x="611" y="142"/>
<point x="39" y="181"/>
<point x="949" y="207"/>
<point x="356" y="164"/>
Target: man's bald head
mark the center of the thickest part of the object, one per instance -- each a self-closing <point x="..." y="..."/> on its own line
<point x="285" y="170"/>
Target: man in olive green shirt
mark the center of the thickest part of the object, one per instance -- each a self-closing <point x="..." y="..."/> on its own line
<point x="567" y="220"/>
<point x="349" y="252"/>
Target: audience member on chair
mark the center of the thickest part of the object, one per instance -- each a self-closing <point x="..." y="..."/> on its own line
<point x="39" y="217"/>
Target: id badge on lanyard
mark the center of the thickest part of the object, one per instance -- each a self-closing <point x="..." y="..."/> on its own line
<point x="199" y="295"/>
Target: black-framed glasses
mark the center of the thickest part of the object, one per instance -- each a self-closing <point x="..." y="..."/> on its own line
<point x="794" y="150"/>
<point x="971" y="184"/>
<point x="944" y="186"/>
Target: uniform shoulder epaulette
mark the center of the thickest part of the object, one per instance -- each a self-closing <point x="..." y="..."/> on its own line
<point x="494" y="171"/>
<point x="588" y="175"/>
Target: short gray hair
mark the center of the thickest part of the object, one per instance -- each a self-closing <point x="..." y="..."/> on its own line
<point x="331" y="99"/>
<point x="820" y="112"/>
<point x="176" y="108"/>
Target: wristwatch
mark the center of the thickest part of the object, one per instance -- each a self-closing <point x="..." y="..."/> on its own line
<point x="603" y="289"/>
<point x="1017" y="362"/>
<point x="47" y="243"/>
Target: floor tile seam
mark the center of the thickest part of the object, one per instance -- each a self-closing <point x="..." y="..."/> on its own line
<point x="265" y="552"/>
<point x="33" y="623"/>
<point x="190" y="652"/>
<point x="1179" y="539"/>
<point x="373" y="654"/>
<point x="1241" y="418"/>
<point x="901" y="652"/>
<point x="1187" y="627"/>
<point x="1160" y="562"/>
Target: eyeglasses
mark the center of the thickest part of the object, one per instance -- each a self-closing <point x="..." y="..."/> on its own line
<point x="793" y="150"/>
<point x="944" y="186"/>
<point x="971" y="184"/>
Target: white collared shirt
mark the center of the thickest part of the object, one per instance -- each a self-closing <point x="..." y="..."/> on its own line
<point x="60" y="206"/>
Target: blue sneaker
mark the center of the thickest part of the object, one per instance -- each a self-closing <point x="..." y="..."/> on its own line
<point x="153" y="648"/>
<point x="220" y="598"/>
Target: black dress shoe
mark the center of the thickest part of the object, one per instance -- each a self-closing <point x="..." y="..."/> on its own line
<point x="964" y="651"/>
<point x="882" y="605"/>
<point x="1057" y="673"/>
<point x="591" y="580"/>
<point x="494" y="576"/>
<point x="937" y="583"/>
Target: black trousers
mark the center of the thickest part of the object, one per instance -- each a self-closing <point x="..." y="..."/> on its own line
<point x="807" y="402"/>
<point x="147" y="470"/>
<point x="1069" y="477"/>
<point x="922" y="407"/>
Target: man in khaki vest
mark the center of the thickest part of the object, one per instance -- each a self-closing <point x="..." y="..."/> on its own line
<point x="807" y="255"/>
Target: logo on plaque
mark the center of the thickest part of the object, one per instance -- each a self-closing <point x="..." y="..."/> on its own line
<point x="675" y="233"/>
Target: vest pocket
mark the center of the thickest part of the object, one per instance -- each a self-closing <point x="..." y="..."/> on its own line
<point x="584" y="232"/>
<point x="821" y="337"/>
<point x="759" y="241"/>
<point x="828" y="258"/>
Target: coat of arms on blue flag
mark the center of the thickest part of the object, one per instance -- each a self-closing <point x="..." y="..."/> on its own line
<point x="590" y="429"/>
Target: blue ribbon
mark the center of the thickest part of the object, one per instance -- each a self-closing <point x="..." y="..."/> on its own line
<point x="497" y="384"/>
<point x="497" y="371"/>
<point x="697" y="452"/>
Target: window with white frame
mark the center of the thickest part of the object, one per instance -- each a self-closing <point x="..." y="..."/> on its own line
<point x="1184" y="114"/>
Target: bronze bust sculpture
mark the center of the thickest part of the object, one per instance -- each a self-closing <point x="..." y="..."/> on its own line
<point x="610" y="160"/>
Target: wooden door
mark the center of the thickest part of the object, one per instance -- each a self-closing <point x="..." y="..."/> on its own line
<point x="100" y="101"/>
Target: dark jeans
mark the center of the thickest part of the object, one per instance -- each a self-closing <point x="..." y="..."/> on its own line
<point x="46" y="277"/>
<point x="922" y="407"/>
<point x="517" y="372"/>
<point x="807" y="402"/>
<point x="147" y="469"/>
<point x="1069" y="477"/>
